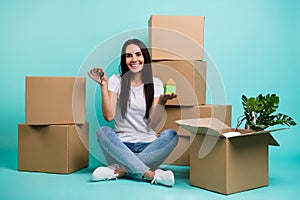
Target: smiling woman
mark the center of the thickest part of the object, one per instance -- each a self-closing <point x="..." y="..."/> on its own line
<point x="134" y="100"/>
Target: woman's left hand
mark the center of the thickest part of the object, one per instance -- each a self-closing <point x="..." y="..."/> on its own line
<point x="165" y="97"/>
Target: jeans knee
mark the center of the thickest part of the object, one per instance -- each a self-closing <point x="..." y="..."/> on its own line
<point x="172" y="134"/>
<point x="103" y="131"/>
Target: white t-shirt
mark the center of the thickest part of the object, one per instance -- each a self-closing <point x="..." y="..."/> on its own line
<point x="133" y="128"/>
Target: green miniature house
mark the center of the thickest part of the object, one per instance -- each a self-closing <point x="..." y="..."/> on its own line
<point x="170" y="87"/>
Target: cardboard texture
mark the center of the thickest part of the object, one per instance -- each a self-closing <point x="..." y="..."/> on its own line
<point x="190" y="79"/>
<point x="227" y="164"/>
<point x="174" y="113"/>
<point x="180" y="155"/>
<point x="53" y="148"/>
<point x="176" y="37"/>
<point x="55" y="100"/>
<point x="220" y="112"/>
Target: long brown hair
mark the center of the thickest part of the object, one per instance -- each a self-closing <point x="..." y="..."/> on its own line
<point x="126" y="75"/>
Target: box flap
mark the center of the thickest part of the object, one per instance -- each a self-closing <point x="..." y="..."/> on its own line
<point x="215" y="127"/>
<point x="261" y="132"/>
<point x="271" y="139"/>
<point x="269" y="131"/>
<point x="209" y="126"/>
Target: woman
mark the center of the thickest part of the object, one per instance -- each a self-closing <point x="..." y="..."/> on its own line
<point x="135" y="101"/>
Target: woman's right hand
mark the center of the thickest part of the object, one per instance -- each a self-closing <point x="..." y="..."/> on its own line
<point x="95" y="74"/>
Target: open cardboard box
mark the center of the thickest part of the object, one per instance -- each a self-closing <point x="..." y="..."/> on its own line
<point x="227" y="163"/>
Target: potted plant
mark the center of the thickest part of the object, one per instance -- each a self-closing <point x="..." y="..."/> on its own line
<point x="259" y="112"/>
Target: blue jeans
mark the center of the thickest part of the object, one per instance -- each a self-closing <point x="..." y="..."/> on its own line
<point x="136" y="158"/>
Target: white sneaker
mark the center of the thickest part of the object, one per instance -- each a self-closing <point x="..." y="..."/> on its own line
<point x="163" y="177"/>
<point x="105" y="173"/>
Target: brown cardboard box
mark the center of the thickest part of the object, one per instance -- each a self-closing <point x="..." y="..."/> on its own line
<point x="176" y="37"/>
<point x="180" y="155"/>
<point x="190" y="79"/>
<point x="227" y="164"/>
<point x="174" y="113"/>
<point x="53" y="148"/>
<point x="55" y="100"/>
<point x="220" y="112"/>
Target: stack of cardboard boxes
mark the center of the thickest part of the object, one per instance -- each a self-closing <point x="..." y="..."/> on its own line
<point x="55" y="137"/>
<point x="176" y="47"/>
<point x="220" y="159"/>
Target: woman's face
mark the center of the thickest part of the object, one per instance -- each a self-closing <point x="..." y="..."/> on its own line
<point x="134" y="58"/>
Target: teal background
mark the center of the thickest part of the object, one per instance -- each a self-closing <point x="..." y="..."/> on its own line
<point x="253" y="45"/>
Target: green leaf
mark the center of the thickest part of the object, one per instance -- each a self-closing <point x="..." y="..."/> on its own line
<point x="264" y="108"/>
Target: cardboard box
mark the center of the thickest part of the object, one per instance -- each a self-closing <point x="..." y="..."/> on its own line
<point x="227" y="164"/>
<point x="189" y="77"/>
<point x="176" y="37"/>
<point x="180" y="155"/>
<point x="53" y="148"/>
<point x="55" y="100"/>
<point x="220" y="112"/>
